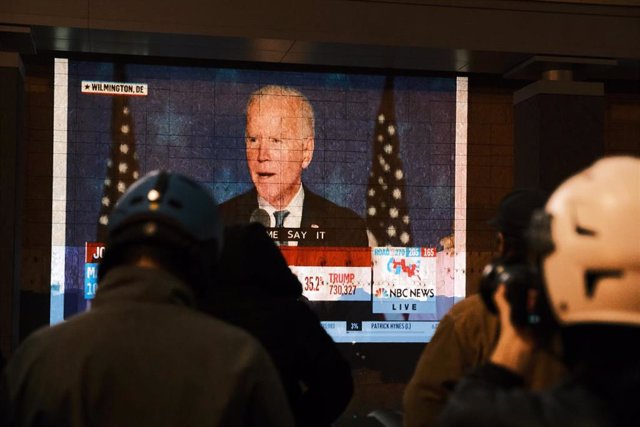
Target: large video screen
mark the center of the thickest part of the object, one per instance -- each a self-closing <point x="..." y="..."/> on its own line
<point x="359" y="178"/>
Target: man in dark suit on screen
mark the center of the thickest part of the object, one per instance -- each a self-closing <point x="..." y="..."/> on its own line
<point x="280" y="145"/>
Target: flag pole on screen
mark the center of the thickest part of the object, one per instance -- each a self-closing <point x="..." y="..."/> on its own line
<point x="122" y="167"/>
<point x="387" y="212"/>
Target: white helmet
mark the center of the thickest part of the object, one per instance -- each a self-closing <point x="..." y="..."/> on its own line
<point x="592" y="270"/>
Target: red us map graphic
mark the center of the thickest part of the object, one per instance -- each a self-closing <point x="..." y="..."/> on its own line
<point x="401" y="266"/>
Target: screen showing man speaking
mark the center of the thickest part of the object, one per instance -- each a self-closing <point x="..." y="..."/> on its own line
<point x="358" y="178"/>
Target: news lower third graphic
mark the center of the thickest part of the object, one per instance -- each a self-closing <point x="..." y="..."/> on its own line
<point x="404" y="280"/>
<point x="395" y="280"/>
<point x="321" y="283"/>
<point x="90" y="280"/>
<point x="310" y="234"/>
<point x="93" y="253"/>
<point x="381" y="331"/>
<point x="331" y="273"/>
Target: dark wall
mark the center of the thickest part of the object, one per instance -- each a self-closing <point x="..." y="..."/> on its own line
<point x="36" y="253"/>
<point x="622" y="122"/>
<point x="491" y="154"/>
<point x="391" y="33"/>
<point x="11" y="184"/>
<point x="490" y="167"/>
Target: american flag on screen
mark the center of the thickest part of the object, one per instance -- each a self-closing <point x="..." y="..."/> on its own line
<point x="387" y="213"/>
<point x="122" y="167"/>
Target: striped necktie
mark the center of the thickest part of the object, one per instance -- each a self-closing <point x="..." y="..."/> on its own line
<point x="280" y="216"/>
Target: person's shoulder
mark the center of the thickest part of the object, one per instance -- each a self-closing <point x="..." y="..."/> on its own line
<point x="344" y="226"/>
<point x="241" y="198"/>
<point x="470" y="318"/>
<point x="469" y="306"/>
<point x="51" y="333"/>
<point x="220" y="333"/>
<point x="39" y="338"/>
<point x="471" y="311"/>
<point x="237" y="209"/>
<point x="45" y="341"/>
<point x="216" y="339"/>
<point x="317" y="202"/>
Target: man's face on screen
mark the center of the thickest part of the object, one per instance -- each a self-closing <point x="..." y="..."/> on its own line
<point x="279" y="146"/>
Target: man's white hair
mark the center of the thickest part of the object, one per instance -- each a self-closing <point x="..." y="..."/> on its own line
<point x="305" y="110"/>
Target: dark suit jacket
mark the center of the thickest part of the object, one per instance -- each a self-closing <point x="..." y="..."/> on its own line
<point x="343" y="226"/>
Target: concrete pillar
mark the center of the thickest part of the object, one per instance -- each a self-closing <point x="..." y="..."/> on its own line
<point x="558" y="129"/>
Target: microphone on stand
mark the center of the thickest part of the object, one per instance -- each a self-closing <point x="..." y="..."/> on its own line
<point x="282" y="235"/>
<point x="261" y="216"/>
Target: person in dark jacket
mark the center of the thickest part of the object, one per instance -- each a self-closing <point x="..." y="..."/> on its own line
<point x="587" y="257"/>
<point x="143" y="355"/>
<point x="468" y="333"/>
<point x="256" y="290"/>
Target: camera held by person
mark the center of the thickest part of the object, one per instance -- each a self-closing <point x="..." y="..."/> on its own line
<point x="516" y="268"/>
<point x="585" y="266"/>
<point x="468" y="333"/>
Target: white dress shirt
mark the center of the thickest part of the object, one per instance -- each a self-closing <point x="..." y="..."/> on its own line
<point x="294" y="219"/>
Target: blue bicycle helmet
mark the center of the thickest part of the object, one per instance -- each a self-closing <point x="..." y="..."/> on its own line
<point x="166" y="209"/>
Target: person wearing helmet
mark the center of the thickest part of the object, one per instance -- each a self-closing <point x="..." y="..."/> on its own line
<point x="585" y="249"/>
<point x="143" y="355"/>
<point x="468" y="333"/>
